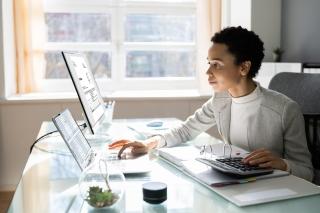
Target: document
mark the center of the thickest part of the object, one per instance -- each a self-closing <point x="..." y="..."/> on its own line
<point x="178" y="154"/>
<point x="214" y="178"/>
<point x="278" y="185"/>
<point x="267" y="190"/>
<point x="183" y="157"/>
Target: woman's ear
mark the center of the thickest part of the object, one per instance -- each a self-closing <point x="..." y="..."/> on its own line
<point x="245" y="68"/>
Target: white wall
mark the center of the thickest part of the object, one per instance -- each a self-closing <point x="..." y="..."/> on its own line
<point x="261" y="16"/>
<point x="300" y="30"/>
<point x="20" y="122"/>
<point x="1" y="55"/>
<point x="266" y="22"/>
<point x="240" y="12"/>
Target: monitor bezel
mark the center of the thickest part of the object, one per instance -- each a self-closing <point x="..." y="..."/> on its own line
<point x="92" y="123"/>
<point x="67" y="142"/>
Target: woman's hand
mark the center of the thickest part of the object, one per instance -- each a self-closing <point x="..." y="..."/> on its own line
<point x="265" y="159"/>
<point x="137" y="147"/>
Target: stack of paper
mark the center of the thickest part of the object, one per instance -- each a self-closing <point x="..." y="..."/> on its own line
<point x="183" y="157"/>
<point x="267" y="188"/>
<point x="177" y="155"/>
<point x="215" y="178"/>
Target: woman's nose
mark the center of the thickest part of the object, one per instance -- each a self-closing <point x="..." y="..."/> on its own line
<point x="209" y="71"/>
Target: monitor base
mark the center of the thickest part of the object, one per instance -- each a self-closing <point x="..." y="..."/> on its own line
<point x="98" y="140"/>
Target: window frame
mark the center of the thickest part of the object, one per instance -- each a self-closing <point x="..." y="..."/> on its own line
<point x="118" y="47"/>
<point x="8" y="55"/>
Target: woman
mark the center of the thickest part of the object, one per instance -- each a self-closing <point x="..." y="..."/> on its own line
<point x="262" y="121"/>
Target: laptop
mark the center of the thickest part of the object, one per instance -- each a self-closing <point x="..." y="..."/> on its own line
<point x="84" y="154"/>
<point x="79" y="147"/>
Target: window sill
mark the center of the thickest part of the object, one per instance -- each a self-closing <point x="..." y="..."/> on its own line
<point x="119" y="95"/>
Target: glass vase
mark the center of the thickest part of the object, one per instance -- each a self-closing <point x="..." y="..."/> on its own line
<point x="102" y="186"/>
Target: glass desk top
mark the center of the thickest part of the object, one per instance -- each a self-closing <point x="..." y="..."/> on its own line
<point x="50" y="184"/>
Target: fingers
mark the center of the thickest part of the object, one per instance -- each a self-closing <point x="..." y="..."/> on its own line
<point x="139" y="150"/>
<point x="136" y="145"/>
<point x="265" y="159"/>
<point x="276" y="163"/>
<point x="261" y="160"/>
<point x="258" y="157"/>
<point x="118" y="143"/>
<point x="254" y="153"/>
<point x="124" y="147"/>
<point x="266" y="165"/>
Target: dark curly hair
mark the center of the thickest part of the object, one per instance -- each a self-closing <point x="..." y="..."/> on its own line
<point x="245" y="45"/>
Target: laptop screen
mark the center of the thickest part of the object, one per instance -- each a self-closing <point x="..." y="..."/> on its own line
<point x="72" y="135"/>
<point x="86" y="87"/>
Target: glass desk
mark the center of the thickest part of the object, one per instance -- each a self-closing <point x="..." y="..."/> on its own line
<point x="50" y="184"/>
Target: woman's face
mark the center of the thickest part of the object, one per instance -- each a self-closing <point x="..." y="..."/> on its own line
<point x="223" y="73"/>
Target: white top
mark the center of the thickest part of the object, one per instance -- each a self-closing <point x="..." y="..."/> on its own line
<point x="242" y="110"/>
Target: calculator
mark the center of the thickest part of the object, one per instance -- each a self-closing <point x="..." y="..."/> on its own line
<point x="234" y="166"/>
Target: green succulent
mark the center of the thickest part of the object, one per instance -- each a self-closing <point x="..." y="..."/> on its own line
<point x="99" y="198"/>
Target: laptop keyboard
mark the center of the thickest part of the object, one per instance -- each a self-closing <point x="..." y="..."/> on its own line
<point x="113" y="156"/>
<point x="234" y="166"/>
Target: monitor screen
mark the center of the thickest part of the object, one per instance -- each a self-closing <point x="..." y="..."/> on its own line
<point x="87" y="89"/>
<point x="73" y="136"/>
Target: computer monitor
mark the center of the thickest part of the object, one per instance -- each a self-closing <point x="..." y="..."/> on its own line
<point x="74" y="138"/>
<point x="86" y="87"/>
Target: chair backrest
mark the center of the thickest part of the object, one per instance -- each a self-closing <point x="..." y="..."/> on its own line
<point x="304" y="88"/>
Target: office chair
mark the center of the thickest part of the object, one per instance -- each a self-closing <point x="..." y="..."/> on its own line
<point x="304" y="88"/>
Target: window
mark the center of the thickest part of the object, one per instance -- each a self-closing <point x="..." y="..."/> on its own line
<point x="130" y="44"/>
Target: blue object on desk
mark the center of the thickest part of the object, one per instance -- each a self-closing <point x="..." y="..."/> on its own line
<point x="155" y="124"/>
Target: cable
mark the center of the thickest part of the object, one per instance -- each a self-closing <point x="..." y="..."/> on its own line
<point x="84" y="125"/>
<point x="43" y="136"/>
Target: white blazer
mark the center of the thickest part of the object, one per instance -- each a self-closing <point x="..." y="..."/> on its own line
<point x="278" y="126"/>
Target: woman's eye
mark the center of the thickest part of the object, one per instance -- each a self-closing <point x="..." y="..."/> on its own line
<point x="215" y="65"/>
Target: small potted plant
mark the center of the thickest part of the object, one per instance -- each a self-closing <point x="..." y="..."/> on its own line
<point x="277" y="54"/>
<point x="101" y="185"/>
<point x="99" y="198"/>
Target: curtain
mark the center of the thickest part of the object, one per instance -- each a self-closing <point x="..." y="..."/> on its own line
<point x="208" y="23"/>
<point x="29" y="41"/>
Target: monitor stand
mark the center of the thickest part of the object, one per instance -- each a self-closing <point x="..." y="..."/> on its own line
<point x="98" y="140"/>
<point x="100" y="136"/>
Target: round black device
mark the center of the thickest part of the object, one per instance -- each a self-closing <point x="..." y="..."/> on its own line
<point x="154" y="192"/>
